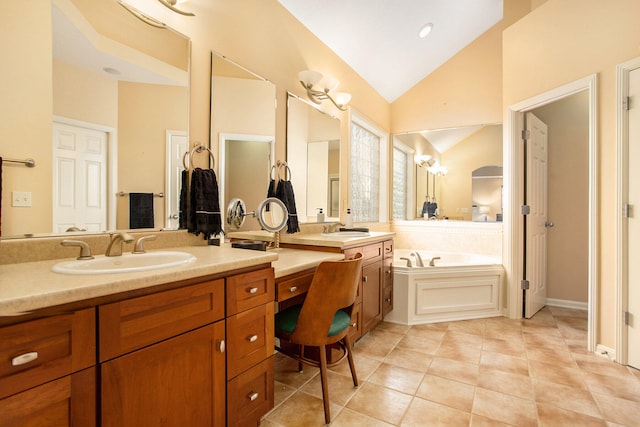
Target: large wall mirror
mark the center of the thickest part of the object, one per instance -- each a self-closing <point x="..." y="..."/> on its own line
<point x="462" y="174"/>
<point x="120" y="91"/>
<point x="313" y="155"/>
<point x="243" y="121"/>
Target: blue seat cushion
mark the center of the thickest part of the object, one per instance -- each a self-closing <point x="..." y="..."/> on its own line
<point x="286" y="320"/>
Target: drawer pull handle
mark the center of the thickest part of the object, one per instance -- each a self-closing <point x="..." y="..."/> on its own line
<point x="293" y="289"/>
<point x="252" y="338"/>
<point x="253" y="396"/>
<point x="221" y="346"/>
<point x="23" y="359"/>
<point x="252" y="290"/>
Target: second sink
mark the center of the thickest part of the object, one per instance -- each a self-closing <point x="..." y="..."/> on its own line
<point x="126" y="263"/>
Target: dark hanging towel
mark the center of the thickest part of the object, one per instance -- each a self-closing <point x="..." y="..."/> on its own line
<point x="204" y="202"/>
<point x="141" y="210"/>
<point x="284" y="192"/>
<point x="271" y="192"/>
<point x="182" y="207"/>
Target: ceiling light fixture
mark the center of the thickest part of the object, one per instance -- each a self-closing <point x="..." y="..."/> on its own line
<point x="171" y="5"/>
<point x="422" y="160"/>
<point x="319" y="86"/>
<point x="424" y="32"/>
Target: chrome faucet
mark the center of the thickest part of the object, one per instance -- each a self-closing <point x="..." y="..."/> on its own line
<point x="115" y="245"/>
<point x="419" y="262"/>
<point x="139" y="247"/>
<point x="432" y="263"/>
<point x="85" y="252"/>
<point x="331" y="227"/>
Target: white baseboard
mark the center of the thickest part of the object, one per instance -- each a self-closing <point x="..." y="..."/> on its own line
<point x="553" y="302"/>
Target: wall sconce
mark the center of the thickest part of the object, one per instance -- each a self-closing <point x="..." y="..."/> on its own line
<point x="319" y="86"/>
<point x="423" y="160"/>
<point x="438" y="170"/>
<point x="171" y="4"/>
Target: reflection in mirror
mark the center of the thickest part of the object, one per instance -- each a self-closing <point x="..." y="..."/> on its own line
<point x="461" y="151"/>
<point x="120" y="103"/>
<point x="243" y="125"/>
<point x="486" y="190"/>
<point x="313" y="155"/>
<point x="271" y="214"/>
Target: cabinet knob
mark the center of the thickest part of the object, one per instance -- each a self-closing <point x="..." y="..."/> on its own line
<point x="389" y="272"/>
<point x="388" y="300"/>
<point x="221" y="346"/>
<point x="293" y="289"/>
<point x="364" y="279"/>
<point x="253" y="396"/>
<point x="354" y="324"/>
<point x="25" y="358"/>
<point x="252" y="338"/>
<point x="252" y="290"/>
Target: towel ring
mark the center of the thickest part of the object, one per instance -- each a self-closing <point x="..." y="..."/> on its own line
<point x="271" y="174"/>
<point x="286" y="169"/>
<point x="184" y="160"/>
<point x="199" y="149"/>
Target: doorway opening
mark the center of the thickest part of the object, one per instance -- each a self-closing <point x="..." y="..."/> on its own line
<point x="514" y="223"/>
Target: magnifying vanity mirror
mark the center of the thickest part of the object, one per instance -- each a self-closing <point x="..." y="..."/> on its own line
<point x="313" y="155"/>
<point x="119" y="114"/>
<point x="461" y="151"/>
<point x="243" y="120"/>
<point x="271" y="214"/>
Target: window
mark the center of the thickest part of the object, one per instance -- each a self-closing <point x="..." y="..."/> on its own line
<point x="367" y="166"/>
<point x="399" y="199"/>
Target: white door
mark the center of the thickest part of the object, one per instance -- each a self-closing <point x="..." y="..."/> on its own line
<point x="79" y="178"/>
<point x="535" y="263"/>
<point x="633" y="237"/>
<point x="177" y="146"/>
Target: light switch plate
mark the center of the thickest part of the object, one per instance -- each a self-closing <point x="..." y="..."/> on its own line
<point x="21" y="198"/>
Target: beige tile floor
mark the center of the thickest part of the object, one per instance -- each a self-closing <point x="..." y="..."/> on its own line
<point x="488" y="372"/>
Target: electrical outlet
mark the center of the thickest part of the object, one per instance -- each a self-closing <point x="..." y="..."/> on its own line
<point x="21" y="198"/>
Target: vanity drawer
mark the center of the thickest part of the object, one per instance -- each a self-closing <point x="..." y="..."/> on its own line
<point x="248" y="290"/>
<point x="370" y="253"/>
<point x="294" y="286"/>
<point x="250" y="338"/>
<point x="37" y="351"/>
<point x="251" y="394"/>
<point x="138" y="322"/>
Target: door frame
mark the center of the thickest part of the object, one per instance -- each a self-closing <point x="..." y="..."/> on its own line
<point x="112" y="161"/>
<point x="513" y="249"/>
<point x="622" y="197"/>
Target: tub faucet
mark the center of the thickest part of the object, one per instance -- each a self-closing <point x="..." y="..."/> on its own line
<point x="419" y="262"/>
<point x="408" y="261"/>
<point x="432" y="263"/>
<point x="115" y="245"/>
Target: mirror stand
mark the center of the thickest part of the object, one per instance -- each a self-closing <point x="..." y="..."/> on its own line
<point x="271" y="213"/>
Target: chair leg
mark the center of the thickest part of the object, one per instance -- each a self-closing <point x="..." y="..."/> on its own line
<point x="325" y="385"/>
<point x="352" y="366"/>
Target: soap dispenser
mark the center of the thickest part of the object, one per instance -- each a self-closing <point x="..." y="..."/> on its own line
<point x="348" y="219"/>
<point x="320" y="216"/>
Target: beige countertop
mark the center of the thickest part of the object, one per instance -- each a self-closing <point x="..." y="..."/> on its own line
<point x="315" y="239"/>
<point x="29" y="286"/>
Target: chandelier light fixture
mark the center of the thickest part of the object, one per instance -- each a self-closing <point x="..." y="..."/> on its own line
<point x="320" y="88"/>
<point x="171" y="4"/>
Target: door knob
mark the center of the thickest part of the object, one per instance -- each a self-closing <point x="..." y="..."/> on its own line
<point x="548" y="224"/>
<point x="174" y="216"/>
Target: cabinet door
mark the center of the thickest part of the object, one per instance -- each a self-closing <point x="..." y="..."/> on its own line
<point x="387" y="289"/>
<point x="68" y="401"/>
<point x="371" y="295"/>
<point x="178" y="382"/>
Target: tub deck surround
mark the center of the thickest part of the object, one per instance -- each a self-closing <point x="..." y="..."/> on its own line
<point x="30" y="286"/>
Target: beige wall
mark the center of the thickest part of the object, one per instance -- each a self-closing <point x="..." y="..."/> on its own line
<point x="562" y="41"/>
<point x="483" y="148"/>
<point x="145" y="113"/>
<point x="26" y="110"/>
<point x="568" y="141"/>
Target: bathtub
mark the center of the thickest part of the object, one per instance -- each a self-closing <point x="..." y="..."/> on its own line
<point x="458" y="287"/>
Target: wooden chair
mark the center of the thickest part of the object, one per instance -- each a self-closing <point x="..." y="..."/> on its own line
<point x="324" y="319"/>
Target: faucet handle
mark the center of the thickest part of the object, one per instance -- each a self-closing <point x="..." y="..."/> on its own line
<point x="85" y="251"/>
<point x="139" y="247"/>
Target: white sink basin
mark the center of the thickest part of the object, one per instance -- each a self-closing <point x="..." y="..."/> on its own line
<point x="346" y="234"/>
<point x="126" y="263"/>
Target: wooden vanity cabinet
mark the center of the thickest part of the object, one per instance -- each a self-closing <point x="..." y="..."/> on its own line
<point x="47" y="371"/>
<point x="163" y="358"/>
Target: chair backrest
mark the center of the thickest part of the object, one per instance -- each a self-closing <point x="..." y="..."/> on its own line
<point x="334" y="286"/>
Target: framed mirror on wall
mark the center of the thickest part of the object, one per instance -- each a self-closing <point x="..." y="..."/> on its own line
<point x="446" y="176"/>
<point x="243" y="122"/>
<point x="120" y="95"/>
<point x="313" y="155"/>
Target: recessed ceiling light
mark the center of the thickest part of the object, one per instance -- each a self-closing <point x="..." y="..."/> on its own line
<point x="424" y="32"/>
<point x="110" y="70"/>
